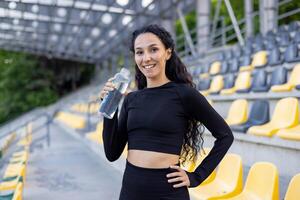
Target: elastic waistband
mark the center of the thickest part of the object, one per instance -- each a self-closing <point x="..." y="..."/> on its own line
<point x="143" y="169"/>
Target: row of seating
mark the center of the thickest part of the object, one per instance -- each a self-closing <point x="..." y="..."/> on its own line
<point x="273" y="49"/>
<point x="71" y="120"/>
<point x="12" y="183"/>
<point x="257" y="81"/>
<point x="226" y="182"/>
<point x="283" y="123"/>
<point x="85" y="107"/>
<point x="6" y="142"/>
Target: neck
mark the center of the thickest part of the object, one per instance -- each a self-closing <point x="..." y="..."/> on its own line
<point x="156" y="83"/>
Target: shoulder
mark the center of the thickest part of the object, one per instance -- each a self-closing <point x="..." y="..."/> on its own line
<point x="131" y="95"/>
<point x="187" y="91"/>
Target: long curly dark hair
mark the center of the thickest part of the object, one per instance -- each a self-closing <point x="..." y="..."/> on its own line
<point x="175" y="71"/>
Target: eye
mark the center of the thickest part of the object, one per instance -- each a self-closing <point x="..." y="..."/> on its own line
<point x="154" y="49"/>
<point x="138" y="52"/>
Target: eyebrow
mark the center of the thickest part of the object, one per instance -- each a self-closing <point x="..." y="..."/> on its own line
<point x="151" y="45"/>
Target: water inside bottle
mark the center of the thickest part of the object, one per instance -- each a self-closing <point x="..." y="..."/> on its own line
<point x="112" y="100"/>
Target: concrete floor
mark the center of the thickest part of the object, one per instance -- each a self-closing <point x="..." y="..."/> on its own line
<point x="68" y="170"/>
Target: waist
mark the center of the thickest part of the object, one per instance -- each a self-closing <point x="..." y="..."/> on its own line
<point x="151" y="159"/>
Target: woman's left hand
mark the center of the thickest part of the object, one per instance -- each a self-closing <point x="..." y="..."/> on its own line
<point x="180" y="175"/>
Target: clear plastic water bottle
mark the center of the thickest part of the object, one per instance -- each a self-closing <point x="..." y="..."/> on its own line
<point x="112" y="100"/>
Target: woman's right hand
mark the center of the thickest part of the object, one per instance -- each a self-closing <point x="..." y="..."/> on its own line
<point x="109" y="86"/>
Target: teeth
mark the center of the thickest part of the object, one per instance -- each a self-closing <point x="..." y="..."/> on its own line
<point x="149" y="66"/>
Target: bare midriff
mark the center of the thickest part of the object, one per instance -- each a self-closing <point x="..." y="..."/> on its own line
<point x="151" y="159"/>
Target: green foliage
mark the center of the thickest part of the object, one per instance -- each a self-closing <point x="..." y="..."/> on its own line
<point x="23" y="85"/>
<point x="28" y="81"/>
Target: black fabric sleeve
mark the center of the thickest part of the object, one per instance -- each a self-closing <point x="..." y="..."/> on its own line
<point x="115" y="133"/>
<point x="197" y="107"/>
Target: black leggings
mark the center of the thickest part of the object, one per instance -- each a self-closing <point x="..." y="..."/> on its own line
<point x="150" y="184"/>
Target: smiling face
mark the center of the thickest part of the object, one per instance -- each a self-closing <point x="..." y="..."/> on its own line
<point x="151" y="56"/>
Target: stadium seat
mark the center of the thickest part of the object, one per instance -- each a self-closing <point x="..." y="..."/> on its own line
<point x="285" y="115"/>
<point x="191" y="166"/>
<point x="278" y="76"/>
<point x="203" y="86"/>
<point x="259" y="83"/>
<point x="204" y="72"/>
<point x="216" y="85"/>
<point x="215" y="68"/>
<point x="294" y="26"/>
<point x="238" y="112"/>
<point x="292" y="133"/>
<point x="96" y="135"/>
<point x="228" y="81"/>
<point x="241" y="85"/>
<point x="283" y="39"/>
<point x="234" y="65"/>
<point x="292" y="53"/>
<point x="270" y="43"/>
<point x="228" y="54"/>
<point x="292" y="82"/>
<point x="293" y="192"/>
<point x="259" y="47"/>
<point x="72" y="120"/>
<point x="197" y="71"/>
<point x="262" y="183"/>
<point x="227" y="183"/>
<point x="260" y="59"/>
<point x="245" y="63"/>
<point x="247" y="50"/>
<point x="18" y="192"/>
<point x="225" y="67"/>
<point x="297" y="37"/>
<point x="274" y="57"/>
<point x="259" y="114"/>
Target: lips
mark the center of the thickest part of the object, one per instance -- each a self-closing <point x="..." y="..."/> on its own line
<point x="149" y="66"/>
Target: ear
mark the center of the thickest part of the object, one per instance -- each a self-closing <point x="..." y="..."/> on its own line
<point x="169" y="53"/>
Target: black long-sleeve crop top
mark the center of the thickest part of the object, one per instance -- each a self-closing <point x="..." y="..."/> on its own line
<point x="156" y="119"/>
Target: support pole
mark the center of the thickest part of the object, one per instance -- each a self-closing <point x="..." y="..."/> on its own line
<point x="186" y="32"/>
<point x="234" y="22"/>
<point x="248" y="15"/>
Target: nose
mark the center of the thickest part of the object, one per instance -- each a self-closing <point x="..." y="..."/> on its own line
<point x="146" y="57"/>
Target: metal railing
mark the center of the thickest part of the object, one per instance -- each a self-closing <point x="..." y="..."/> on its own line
<point x="225" y="35"/>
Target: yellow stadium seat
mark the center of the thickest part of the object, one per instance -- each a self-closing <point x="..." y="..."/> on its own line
<point x="215" y="68"/>
<point x="259" y="59"/>
<point x="242" y="82"/>
<point x="191" y="166"/>
<point x="217" y="84"/>
<point x="18" y="192"/>
<point x="292" y="133"/>
<point x="238" y="112"/>
<point x="262" y="183"/>
<point x="227" y="183"/>
<point x="293" y="191"/>
<point x="72" y="120"/>
<point x="96" y="135"/>
<point x="10" y="185"/>
<point x="204" y="75"/>
<point x="285" y="115"/>
<point x="292" y="82"/>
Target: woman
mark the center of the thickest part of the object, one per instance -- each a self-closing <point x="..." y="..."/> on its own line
<point x="162" y="122"/>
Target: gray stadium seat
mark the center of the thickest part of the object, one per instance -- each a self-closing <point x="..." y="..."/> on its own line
<point x="259" y="114"/>
<point x="259" y="83"/>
